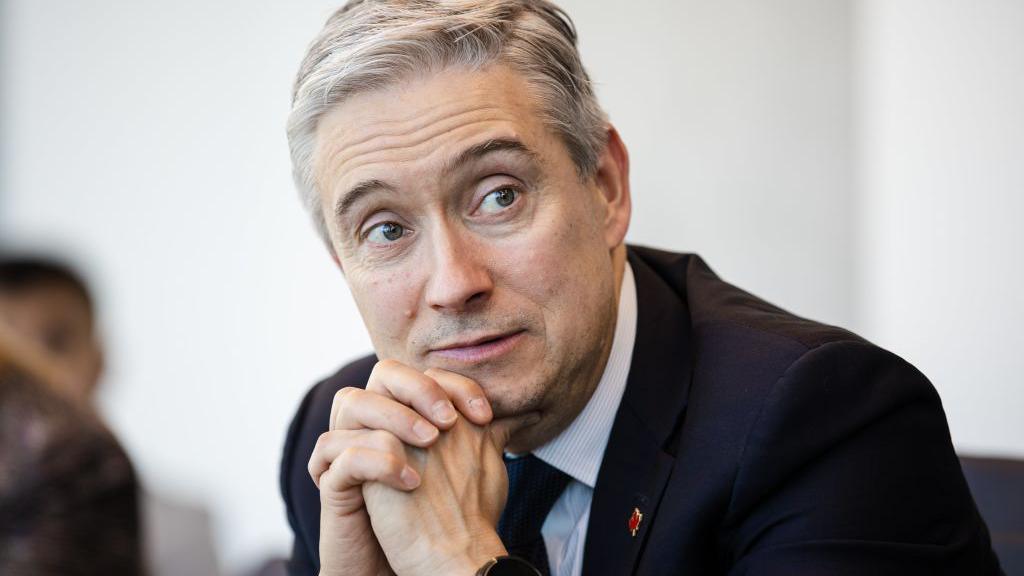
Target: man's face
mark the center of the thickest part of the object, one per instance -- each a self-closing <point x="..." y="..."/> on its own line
<point x="469" y="241"/>
<point x="56" y="318"/>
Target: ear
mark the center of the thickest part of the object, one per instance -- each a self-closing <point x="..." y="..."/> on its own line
<point x="612" y="179"/>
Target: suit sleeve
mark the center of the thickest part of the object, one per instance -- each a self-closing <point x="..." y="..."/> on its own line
<point x="849" y="470"/>
<point x="302" y="561"/>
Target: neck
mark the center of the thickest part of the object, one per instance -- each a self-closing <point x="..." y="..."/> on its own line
<point x="618" y="269"/>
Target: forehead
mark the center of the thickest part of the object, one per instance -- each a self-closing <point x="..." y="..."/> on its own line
<point x="41" y="306"/>
<point x="414" y="125"/>
<point x="49" y="296"/>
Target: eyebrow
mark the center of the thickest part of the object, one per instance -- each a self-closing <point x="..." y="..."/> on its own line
<point x="356" y="193"/>
<point x="365" y="188"/>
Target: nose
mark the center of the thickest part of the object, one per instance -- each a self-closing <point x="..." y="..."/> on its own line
<point x="460" y="279"/>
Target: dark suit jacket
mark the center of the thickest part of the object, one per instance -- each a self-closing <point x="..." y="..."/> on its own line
<point x="753" y="442"/>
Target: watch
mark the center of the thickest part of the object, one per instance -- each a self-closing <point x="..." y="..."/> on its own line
<point x="507" y="566"/>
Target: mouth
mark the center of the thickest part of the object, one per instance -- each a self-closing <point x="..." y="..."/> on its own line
<point x="479" y="349"/>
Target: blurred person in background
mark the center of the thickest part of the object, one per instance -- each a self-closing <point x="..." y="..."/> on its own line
<point x="68" y="493"/>
<point x="50" y="304"/>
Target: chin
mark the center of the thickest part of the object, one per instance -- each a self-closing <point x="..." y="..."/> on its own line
<point x="511" y="396"/>
<point x="514" y="384"/>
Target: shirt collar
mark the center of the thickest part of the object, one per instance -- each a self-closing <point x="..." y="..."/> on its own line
<point x="579" y="449"/>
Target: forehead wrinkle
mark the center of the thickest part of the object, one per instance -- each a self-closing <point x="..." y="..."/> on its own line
<point x="420" y="119"/>
<point x="426" y="149"/>
<point x="382" y="139"/>
<point x="448" y="125"/>
<point x="440" y="105"/>
<point x="343" y="155"/>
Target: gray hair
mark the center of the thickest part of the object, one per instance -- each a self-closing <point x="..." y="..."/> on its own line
<point x="369" y="44"/>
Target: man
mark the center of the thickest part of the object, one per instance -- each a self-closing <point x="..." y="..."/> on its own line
<point x="653" y="419"/>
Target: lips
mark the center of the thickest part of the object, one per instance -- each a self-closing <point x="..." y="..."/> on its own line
<point x="479" y="348"/>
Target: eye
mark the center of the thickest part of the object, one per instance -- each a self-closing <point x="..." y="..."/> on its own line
<point x="499" y="199"/>
<point x="385" y="232"/>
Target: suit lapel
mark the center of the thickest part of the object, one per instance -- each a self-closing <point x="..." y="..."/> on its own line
<point x="636" y="467"/>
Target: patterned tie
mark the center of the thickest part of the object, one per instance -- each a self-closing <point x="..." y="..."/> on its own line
<point x="533" y="487"/>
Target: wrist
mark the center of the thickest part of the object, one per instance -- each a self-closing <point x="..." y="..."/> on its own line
<point x="483" y="548"/>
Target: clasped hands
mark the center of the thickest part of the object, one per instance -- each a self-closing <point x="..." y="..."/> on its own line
<point x="410" y="475"/>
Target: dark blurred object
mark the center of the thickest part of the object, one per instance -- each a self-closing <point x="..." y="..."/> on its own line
<point x="68" y="494"/>
<point x="998" y="489"/>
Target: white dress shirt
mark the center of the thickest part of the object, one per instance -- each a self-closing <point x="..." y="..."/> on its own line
<point x="579" y="449"/>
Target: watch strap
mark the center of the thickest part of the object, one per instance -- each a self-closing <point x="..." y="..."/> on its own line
<point x="507" y="566"/>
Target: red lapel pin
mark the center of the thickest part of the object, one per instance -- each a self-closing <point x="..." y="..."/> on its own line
<point x="634" y="521"/>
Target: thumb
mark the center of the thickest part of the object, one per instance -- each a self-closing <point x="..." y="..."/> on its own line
<point x="502" y="429"/>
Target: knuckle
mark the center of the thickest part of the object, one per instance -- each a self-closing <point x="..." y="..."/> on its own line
<point x="332" y="478"/>
<point x="428" y="386"/>
<point x="346" y="460"/>
<point x="383" y="366"/>
<point x="393" y="465"/>
<point x="403" y="420"/>
<point x="423" y="391"/>
<point x="344" y="395"/>
<point x="344" y="399"/>
<point x="321" y="442"/>
<point x="388" y="442"/>
<point x="314" y="464"/>
<point x="379" y="375"/>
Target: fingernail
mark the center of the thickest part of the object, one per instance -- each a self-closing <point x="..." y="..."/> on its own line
<point x="424" y="430"/>
<point x="409" y="477"/>
<point x="479" y="405"/>
<point x="444" y="411"/>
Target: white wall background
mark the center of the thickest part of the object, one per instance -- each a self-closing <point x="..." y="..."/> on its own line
<point x="855" y="162"/>
<point x="941" y="162"/>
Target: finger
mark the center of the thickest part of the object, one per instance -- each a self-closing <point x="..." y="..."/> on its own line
<point x="356" y="409"/>
<point x="332" y="444"/>
<point x="357" y="465"/>
<point x="465" y="393"/>
<point x="413" y="388"/>
<point x="503" y="429"/>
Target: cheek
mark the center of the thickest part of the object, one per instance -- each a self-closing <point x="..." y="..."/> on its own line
<point x="387" y="302"/>
<point x="556" y="262"/>
<point x="534" y="265"/>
